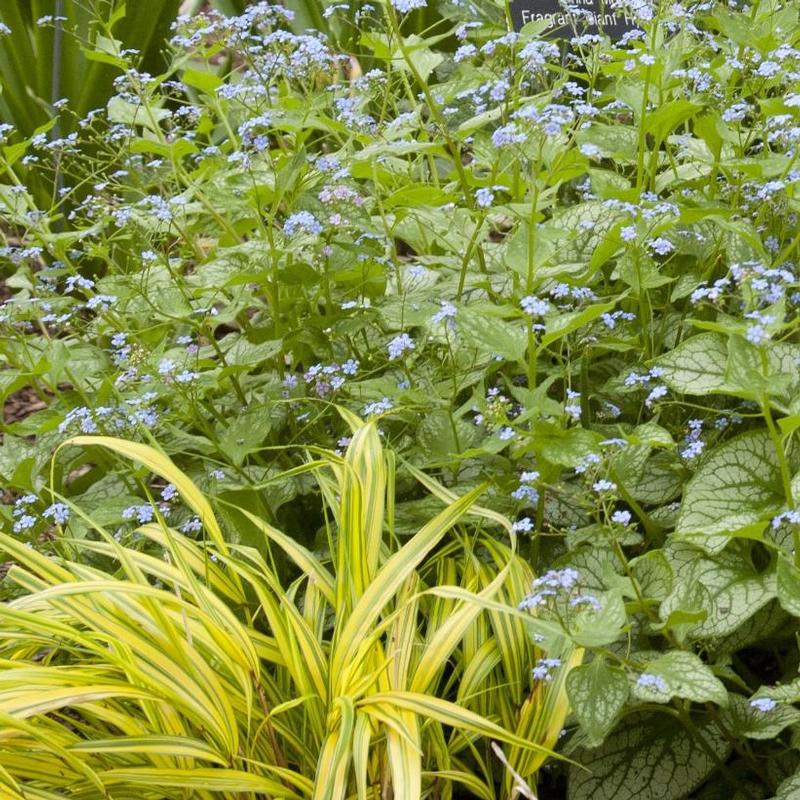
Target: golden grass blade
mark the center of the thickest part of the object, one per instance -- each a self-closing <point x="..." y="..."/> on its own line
<point x="301" y="556"/>
<point x="39" y="700"/>
<point x="405" y="757"/>
<point x="476" y="672"/>
<point x="362" y="735"/>
<point x="448" y="714"/>
<point x="543" y="715"/>
<point x="203" y="779"/>
<point x="171" y="746"/>
<point x="471" y="781"/>
<point x="334" y="761"/>
<point x="447" y="636"/>
<point x="363" y="496"/>
<point x="446" y="496"/>
<point x="391" y="577"/>
<point x="161" y="465"/>
<point x="45" y="739"/>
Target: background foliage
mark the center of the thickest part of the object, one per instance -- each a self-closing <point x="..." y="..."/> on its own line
<point x="561" y="271"/>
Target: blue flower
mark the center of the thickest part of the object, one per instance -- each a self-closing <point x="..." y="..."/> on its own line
<point x="447" y="312"/>
<point x="523" y="525"/>
<point x="24" y="523"/>
<point x="534" y="306"/>
<point x="484" y="197"/>
<point x="621" y="517"/>
<point x="404" y="6"/>
<point x="656" y="394"/>
<point x="378" y="407"/>
<point x="304" y="221"/>
<point x="661" y="246"/>
<point x="586" y="600"/>
<point x="648" y="681"/>
<point x="508" y="135"/>
<point x="763" y="704"/>
<point x="58" y="512"/>
<point x="558" y="578"/>
<point x="143" y="513"/>
<point x="543" y="668"/>
<point x="399" y="345"/>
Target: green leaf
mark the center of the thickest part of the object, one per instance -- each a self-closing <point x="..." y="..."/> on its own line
<point x="697" y="365"/>
<point x="245" y="433"/>
<point x="202" y="79"/>
<point x="654" y="574"/>
<point x="788" y="584"/>
<point x="597" y="694"/>
<point x="248" y="354"/>
<point x="614" y="141"/>
<point x="651" y="757"/>
<point x="491" y="335"/>
<point x="564" y="447"/>
<point x="558" y="327"/>
<point x="652" y="478"/>
<point x="598" y="628"/>
<point x="738" y="484"/>
<point x="668" y="116"/>
<point x="750" y="376"/>
<point x="640" y="273"/>
<point x="743" y="719"/>
<point x="725" y="588"/>
<point x="685" y="676"/>
<point x="789" y="789"/>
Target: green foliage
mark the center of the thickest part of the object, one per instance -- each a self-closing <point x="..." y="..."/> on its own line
<point x="43" y="59"/>
<point x="561" y="276"/>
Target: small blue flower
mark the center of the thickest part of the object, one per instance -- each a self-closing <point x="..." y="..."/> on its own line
<point x="534" y="306"/>
<point x="404" y="6"/>
<point x="378" y="407"/>
<point x="484" y="197"/>
<point x="604" y="486"/>
<point x="656" y="394"/>
<point x="763" y="704"/>
<point x="304" y="221"/>
<point x="661" y="246"/>
<point x="58" y="512"/>
<point x="399" y="345"/>
<point x="508" y="135"/>
<point x="24" y="523"/>
<point x="447" y="312"/>
<point x="648" y="681"/>
<point x="586" y="600"/>
<point x="621" y="517"/>
<point x="558" y="579"/>
<point x="523" y="525"/>
<point x="143" y="513"/>
<point x="544" y="666"/>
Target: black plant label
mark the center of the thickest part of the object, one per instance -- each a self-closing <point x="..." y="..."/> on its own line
<point x="573" y="18"/>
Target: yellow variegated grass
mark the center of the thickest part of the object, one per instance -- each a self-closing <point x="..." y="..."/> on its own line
<point x="386" y="668"/>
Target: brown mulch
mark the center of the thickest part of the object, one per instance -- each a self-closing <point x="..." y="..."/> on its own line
<point x="22" y="404"/>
